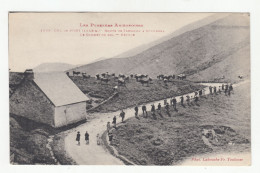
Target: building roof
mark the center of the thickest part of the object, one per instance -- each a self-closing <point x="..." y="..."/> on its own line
<point x="59" y="88"/>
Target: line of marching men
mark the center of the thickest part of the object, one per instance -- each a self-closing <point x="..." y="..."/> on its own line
<point x="173" y="102"/>
<point x="226" y="88"/>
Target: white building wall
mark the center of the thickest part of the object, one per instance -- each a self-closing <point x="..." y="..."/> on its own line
<point x="68" y="114"/>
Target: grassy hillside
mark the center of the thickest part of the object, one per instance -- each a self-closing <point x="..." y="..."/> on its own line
<point x="182" y="30"/>
<point x="169" y="139"/>
<point x="231" y="67"/>
<point x="190" y="52"/>
<point x="134" y="93"/>
<point x="28" y="142"/>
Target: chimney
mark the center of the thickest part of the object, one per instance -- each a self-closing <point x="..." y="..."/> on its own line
<point x="28" y="74"/>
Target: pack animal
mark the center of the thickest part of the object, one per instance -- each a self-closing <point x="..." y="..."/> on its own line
<point x="76" y="73"/>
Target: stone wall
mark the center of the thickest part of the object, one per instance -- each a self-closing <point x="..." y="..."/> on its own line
<point x="30" y="102"/>
<point x="68" y="114"/>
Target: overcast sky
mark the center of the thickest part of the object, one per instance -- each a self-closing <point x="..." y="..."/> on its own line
<point x="29" y="47"/>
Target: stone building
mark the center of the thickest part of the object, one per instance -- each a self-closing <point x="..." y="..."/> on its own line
<point x="50" y="98"/>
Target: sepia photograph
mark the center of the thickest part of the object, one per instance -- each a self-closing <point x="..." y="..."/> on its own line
<point x="114" y="88"/>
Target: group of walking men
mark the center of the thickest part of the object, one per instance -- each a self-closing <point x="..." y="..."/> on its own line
<point x="226" y="88"/>
<point x="173" y="102"/>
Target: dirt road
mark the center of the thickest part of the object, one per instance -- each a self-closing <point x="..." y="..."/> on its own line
<point x="94" y="154"/>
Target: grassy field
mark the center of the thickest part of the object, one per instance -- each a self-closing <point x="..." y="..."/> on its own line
<point x="133" y="93"/>
<point x="170" y="138"/>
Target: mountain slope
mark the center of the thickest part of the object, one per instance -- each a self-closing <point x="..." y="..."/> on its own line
<point x="190" y="52"/>
<point x="180" y="31"/>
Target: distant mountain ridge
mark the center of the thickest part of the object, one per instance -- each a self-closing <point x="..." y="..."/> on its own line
<point x="190" y="52"/>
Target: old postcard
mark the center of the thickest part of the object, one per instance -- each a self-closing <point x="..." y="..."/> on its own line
<point x="130" y="88"/>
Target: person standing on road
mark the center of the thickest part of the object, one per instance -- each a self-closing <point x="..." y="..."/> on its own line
<point x="159" y="108"/>
<point x="226" y="89"/>
<point x="226" y="86"/>
<point x="223" y="86"/>
<point x="171" y="101"/>
<point x="204" y="92"/>
<point x="210" y="89"/>
<point x="230" y="87"/>
<point x="87" y="137"/>
<point x="182" y="100"/>
<point x="165" y="102"/>
<point x="136" y="111"/>
<point x="174" y="103"/>
<point x="167" y="108"/>
<point x="219" y="89"/>
<point x="215" y="90"/>
<point x="78" y="138"/>
<point x="188" y="99"/>
<point x="122" y="115"/>
<point x="108" y="127"/>
<point x="114" y="122"/>
<point x="200" y="93"/>
<point x="196" y="98"/>
<point x="144" y="110"/>
<point x="110" y="137"/>
<point x="229" y="92"/>
<point x="153" y="109"/>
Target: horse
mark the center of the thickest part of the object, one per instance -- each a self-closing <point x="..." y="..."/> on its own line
<point x="167" y="77"/>
<point x="98" y="77"/>
<point x="85" y="76"/>
<point x="127" y="78"/>
<point x="103" y="75"/>
<point x="115" y="78"/>
<point x="161" y="76"/>
<point x="104" y="80"/>
<point x="181" y="76"/>
<point x="121" y="82"/>
<point x="138" y="77"/>
<point x="145" y="81"/>
<point x="76" y="73"/>
<point x="219" y="78"/>
<point x="121" y="76"/>
<point x="165" y="81"/>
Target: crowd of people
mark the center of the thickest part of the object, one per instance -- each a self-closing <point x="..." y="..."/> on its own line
<point x="226" y="88"/>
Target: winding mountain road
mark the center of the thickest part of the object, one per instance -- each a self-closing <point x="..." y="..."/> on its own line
<point x="94" y="154"/>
